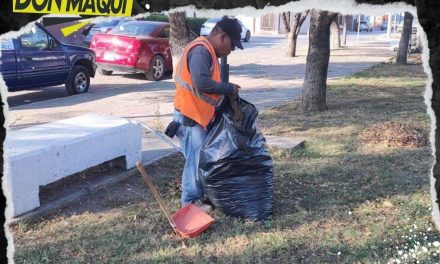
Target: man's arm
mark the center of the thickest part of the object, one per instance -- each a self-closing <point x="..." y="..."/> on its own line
<point x="199" y="64"/>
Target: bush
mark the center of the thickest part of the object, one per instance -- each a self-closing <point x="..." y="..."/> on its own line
<point x="156" y="17"/>
<point x="194" y="23"/>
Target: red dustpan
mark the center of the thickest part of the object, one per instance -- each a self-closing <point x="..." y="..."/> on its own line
<point x="189" y="221"/>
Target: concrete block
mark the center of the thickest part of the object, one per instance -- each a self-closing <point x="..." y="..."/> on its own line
<point x="42" y="154"/>
<point x="284" y="142"/>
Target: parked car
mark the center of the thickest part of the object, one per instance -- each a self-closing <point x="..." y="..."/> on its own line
<point x="210" y="23"/>
<point x="384" y="26"/>
<point x="104" y="27"/>
<point x="365" y="26"/>
<point x="135" y="47"/>
<point x="37" y="59"/>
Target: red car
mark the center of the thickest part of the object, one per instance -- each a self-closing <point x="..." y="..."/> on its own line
<point x="136" y="46"/>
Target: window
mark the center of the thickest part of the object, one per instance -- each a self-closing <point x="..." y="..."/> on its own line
<point x="111" y="23"/>
<point x="340" y="19"/>
<point x="6" y="44"/>
<point x="36" y="39"/>
<point x="134" y="29"/>
<point x="267" y="21"/>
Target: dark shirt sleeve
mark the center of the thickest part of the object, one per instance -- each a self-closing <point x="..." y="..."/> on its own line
<point x="199" y="64"/>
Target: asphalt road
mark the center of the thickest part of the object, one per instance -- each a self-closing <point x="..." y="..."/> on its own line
<point x="99" y="84"/>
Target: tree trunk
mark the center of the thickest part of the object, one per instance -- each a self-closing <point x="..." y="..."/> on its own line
<point x="298" y="20"/>
<point x="286" y="21"/>
<point x="178" y="33"/>
<point x="404" y="39"/>
<point x="335" y="34"/>
<point x="315" y="79"/>
<point x="344" y="31"/>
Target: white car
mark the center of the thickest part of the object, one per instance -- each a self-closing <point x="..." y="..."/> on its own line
<point x="210" y="23"/>
<point x="365" y="26"/>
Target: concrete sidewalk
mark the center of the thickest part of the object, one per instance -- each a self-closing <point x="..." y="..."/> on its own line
<point x="267" y="80"/>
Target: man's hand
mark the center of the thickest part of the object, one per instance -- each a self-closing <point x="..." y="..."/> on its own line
<point x="236" y="88"/>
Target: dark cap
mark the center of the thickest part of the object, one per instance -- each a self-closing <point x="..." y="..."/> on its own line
<point x="232" y="27"/>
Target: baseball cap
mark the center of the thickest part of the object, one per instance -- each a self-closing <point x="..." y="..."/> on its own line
<point x="231" y="27"/>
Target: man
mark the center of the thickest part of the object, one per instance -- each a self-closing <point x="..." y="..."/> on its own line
<point x="199" y="92"/>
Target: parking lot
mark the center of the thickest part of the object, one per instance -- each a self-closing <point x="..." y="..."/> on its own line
<point x="267" y="77"/>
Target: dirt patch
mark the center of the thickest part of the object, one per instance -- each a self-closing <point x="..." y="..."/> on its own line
<point x="81" y="180"/>
<point x="415" y="59"/>
<point x="394" y="134"/>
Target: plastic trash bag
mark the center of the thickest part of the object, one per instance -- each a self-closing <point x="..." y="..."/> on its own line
<point x="235" y="166"/>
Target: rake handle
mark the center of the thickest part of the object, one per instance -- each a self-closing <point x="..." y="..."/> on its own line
<point x="155" y="192"/>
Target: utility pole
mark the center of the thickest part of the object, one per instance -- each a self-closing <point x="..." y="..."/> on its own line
<point x="224" y="69"/>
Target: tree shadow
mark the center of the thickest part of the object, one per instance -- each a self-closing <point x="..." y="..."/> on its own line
<point x="17" y="98"/>
<point x="96" y="92"/>
<point x="296" y="71"/>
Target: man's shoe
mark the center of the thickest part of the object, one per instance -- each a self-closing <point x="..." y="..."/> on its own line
<point x="203" y="206"/>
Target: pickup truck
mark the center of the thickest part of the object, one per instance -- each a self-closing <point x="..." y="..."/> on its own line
<point x="37" y="59"/>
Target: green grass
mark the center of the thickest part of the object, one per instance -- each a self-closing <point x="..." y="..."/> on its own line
<point x="340" y="199"/>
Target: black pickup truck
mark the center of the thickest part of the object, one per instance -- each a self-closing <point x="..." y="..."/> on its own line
<point x="37" y="59"/>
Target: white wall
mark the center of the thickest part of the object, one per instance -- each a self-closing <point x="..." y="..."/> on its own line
<point x="254" y="25"/>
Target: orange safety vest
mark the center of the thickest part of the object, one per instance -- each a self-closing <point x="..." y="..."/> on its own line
<point x="192" y="103"/>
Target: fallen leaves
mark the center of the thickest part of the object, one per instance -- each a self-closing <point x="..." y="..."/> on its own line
<point x="394" y="134"/>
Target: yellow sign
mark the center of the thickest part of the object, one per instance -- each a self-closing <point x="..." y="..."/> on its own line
<point x="67" y="31"/>
<point x="79" y="7"/>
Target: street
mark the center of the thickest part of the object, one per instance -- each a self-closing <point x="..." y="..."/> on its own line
<point x="99" y="84"/>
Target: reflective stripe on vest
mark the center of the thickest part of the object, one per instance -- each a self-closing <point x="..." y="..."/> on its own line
<point x="191" y="88"/>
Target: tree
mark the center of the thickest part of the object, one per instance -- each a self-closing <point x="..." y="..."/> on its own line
<point x="286" y="21"/>
<point x="336" y="36"/>
<point x="179" y="33"/>
<point x="404" y="39"/>
<point x="344" y="31"/>
<point x="315" y="79"/>
<point x="292" y="37"/>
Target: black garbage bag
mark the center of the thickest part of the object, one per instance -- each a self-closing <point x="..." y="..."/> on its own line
<point x="236" y="168"/>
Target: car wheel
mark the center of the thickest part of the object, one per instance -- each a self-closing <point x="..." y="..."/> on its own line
<point x="157" y="69"/>
<point x="248" y="36"/>
<point x="78" y="81"/>
<point x="104" y="72"/>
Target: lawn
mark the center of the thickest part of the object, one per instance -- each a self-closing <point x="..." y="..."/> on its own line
<point x="358" y="192"/>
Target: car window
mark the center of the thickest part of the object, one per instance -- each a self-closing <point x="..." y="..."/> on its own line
<point x="6" y="44"/>
<point x="165" y="33"/>
<point x="35" y="39"/>
<point x="111" y="23"/>
<point x="122" y="21"/>
<point x="134" y="29"/>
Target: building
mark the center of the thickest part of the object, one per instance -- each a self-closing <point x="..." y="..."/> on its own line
<point x="272" y="24"/>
